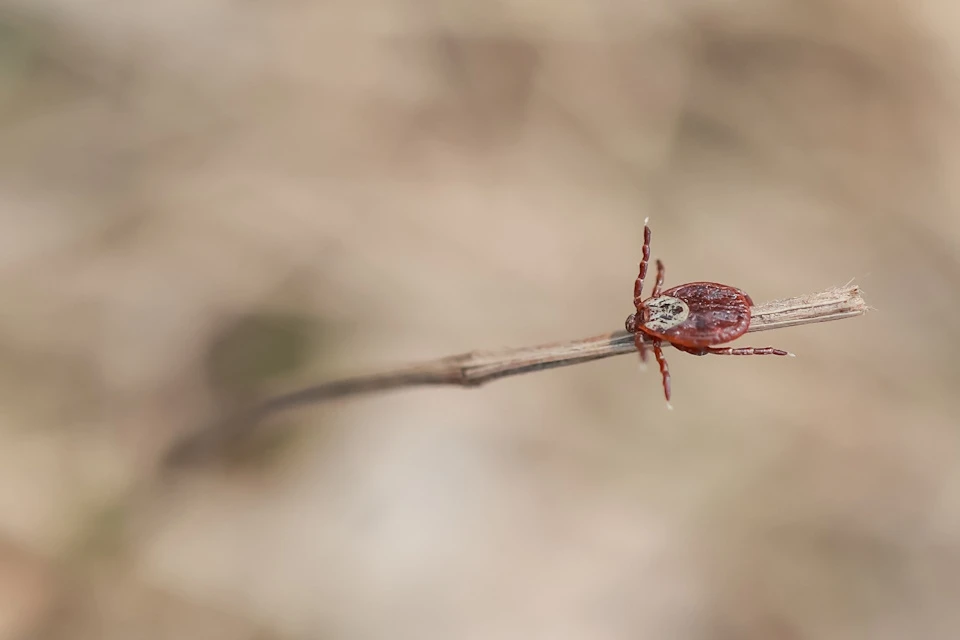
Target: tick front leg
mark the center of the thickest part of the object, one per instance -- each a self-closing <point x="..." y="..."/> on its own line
<point x="664" y="370"/>
<point x="644" y="261"/>
<point x="641" y="346"/>
<point x="734" y="351"/>
<point x="659" y="284"/>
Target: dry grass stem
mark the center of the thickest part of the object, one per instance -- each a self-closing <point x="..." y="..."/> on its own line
<point x="477" y="367"/>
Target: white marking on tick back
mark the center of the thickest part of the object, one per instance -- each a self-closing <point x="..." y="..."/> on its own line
<point x="666" y="312"/>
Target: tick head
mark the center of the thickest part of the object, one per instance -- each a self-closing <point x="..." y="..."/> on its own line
<point x="631" y="323"/>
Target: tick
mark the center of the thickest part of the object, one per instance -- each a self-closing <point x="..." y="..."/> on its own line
<point x="692" y="317"/>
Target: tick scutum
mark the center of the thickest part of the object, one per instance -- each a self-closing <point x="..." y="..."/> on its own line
<point x="664" y="313"/>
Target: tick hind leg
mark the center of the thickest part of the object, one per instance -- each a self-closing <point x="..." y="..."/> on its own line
<point x="734" y="351"/>
<point x="664" y="370"/>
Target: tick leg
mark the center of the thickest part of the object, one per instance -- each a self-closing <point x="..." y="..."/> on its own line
<point x="638" y="286"/>
<point x="734" y="351"/>
<point x="659" y="284"/>
<point x="664" y="371"/>
<point x="641" y="346"/>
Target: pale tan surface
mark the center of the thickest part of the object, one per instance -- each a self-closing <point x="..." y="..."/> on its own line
<point x="429" y="178"/>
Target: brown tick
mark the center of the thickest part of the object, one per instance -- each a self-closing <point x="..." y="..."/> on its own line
<point x="692" y="317"/>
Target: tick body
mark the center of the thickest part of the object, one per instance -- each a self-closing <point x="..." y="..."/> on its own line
<point x="694" y="317"/>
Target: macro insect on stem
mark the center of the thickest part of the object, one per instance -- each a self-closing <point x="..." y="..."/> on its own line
<point x="474" y="369"/>
<point x="692" y="317"/>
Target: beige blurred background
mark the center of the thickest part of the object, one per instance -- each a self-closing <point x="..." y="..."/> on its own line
<point x="207" y="201"/>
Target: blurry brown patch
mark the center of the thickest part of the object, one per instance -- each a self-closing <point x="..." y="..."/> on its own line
<point x="258" y="348"/>
<point x="487" y="83"/>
